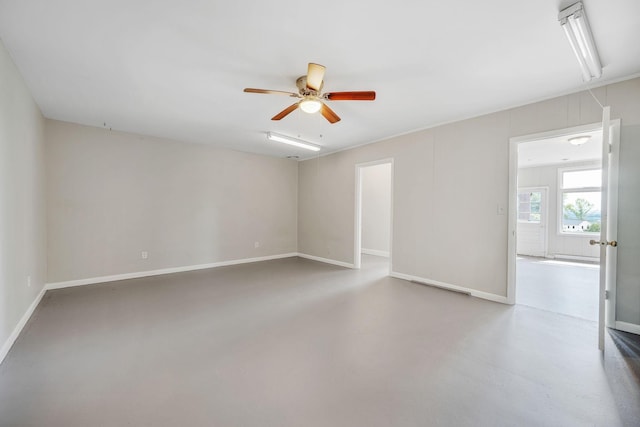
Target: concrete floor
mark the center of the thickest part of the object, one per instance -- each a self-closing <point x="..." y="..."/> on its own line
<point x="295" y="342"/>
<point x="564" y="287"/>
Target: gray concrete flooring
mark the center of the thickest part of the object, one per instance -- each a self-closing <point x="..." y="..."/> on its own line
<point x="564" y="287"/>
<point x="295" y="342"/>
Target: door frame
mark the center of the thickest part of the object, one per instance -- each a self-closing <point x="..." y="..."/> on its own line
<point x="544" y="212"/>
<point x="614" y="128"/>
<point x="357" y="241"/>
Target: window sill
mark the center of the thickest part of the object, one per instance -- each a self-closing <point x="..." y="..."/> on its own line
<point x="589" y="235"/>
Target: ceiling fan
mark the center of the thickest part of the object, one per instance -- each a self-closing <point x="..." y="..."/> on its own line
<point x="311" y="97"/>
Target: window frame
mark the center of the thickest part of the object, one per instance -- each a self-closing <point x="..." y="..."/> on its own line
<point x="543" y="204"/>
<point x="561" y="191"/>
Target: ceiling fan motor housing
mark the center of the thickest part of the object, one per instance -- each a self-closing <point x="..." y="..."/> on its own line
<point x="304" y="90"/>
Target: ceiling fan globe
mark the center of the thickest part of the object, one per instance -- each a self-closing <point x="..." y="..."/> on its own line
<point x="310" y="105"/>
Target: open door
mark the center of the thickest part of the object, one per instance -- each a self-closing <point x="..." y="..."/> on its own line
<point x="609" y="224"/>
<point x="607" y="242"/>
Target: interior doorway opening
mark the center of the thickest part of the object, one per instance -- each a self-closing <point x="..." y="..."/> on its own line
<point x="373" y="222"/>
<point x="559" y="180"/>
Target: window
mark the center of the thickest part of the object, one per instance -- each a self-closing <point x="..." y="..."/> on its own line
<point x="529" y="206"/>
<point x="580" y="200"/>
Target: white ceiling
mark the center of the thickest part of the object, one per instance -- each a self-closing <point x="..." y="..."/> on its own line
<point x="177" y="69"/>
<point x="558" y="150"/>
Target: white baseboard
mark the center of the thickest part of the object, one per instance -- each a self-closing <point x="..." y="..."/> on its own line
<point x="473" y="292"/>
<point x="628" y="327"/>
<point x="577" y="258"/>
<point x="534" y="254"/>
<point x="326" y="260"/>
<point x="138" y="274"/>
<point x="375" y="252"/>
<point x="21" y="324"/>
<point x="93" y="280"/>
<point x="102" y="279"/>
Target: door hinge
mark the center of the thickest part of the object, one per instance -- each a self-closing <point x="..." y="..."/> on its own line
<point x="606" y="294"/>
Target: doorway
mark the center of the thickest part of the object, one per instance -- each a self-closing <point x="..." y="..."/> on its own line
<point x="373" y="222"/>
<point x="558" y="212"/>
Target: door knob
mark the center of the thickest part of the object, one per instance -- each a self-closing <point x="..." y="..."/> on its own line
<point x="612" y="243"/>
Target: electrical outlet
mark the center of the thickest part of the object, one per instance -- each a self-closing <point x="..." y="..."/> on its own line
<point x="28" y="281"/>
<point x="256" y="245"/>
<point x="144" y="254"/>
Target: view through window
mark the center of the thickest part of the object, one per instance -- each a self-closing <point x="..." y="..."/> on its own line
<point x="580" y="192"/>
<point x="529" y="206"/>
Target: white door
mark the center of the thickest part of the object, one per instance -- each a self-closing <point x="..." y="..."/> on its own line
<point x="532" y="222"/>
<point x="609" y="228"/>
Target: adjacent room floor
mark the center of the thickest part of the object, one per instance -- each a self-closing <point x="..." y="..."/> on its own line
<point x="565" y="287"/>
<point x="294" y="342"/>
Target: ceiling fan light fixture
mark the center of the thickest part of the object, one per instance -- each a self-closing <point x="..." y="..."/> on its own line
<point x="579" y="140"/>
<point x="272" y="136"/>
<point x="310" y="105"/>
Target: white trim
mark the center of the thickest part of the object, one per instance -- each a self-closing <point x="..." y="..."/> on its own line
<point x="357" y="222"/>
<point x="628" y="327"/>
<point x="513" y="191"/>
<point x="375" y="252"/>
<point x="591" y="127"/>
<point x="21" y="324"/>
<point x="560" y="190"/>
<point x="357" y="219"/>
<point x="474" y="293"/>
<point x="384" y="161"/>
<point x="594" y="260"/>
<point x="138" y="274"/>
<point x="326" y="260"/>
<point x="391" y="198"/>
<point x="116" y="277"/>
<point x="601" y="83"/>
<point x="512" y="221"/>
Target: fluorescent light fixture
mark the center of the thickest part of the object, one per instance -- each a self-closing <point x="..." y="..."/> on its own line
<point x="271" y="136"/>
<point x="310" y="105"/>
<point x="576" y="27"/>
<point x="579" y="140"/>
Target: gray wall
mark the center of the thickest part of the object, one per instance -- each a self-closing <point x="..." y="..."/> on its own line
<point x="448" y="184"/>
<point x="111" y="195"/>
<point x="557" y="244"/>
<point x="376" y="208"/>
<point x="22" y="207"/>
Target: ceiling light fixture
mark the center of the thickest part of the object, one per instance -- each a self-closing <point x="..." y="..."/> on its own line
<point x="576" y="27"/>
<point x="310" y="105"/>
<point x="579" y="140"/>
<point x="271" y="136"/>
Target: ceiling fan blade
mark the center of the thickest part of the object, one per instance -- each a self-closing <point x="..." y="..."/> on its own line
<point x="368" y="95"/>
<point x="284" y="113"/>
<point x="315" y="74"/>
<point x="329" y="114"/>
<point x="271" y="92"/>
